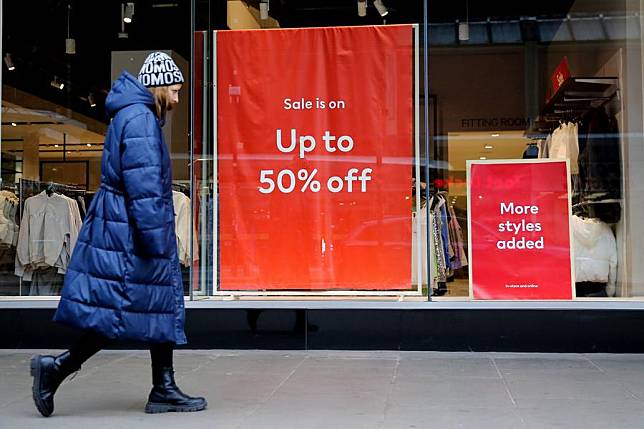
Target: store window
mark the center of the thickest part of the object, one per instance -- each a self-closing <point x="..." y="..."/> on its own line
<point x="59" y="60"/>
<point x="532" y="82"/>
<point x="370" y="195"/>
<point x="545" y="82"/>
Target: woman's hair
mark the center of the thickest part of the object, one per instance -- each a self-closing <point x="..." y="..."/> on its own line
<point x="161" y="100"/>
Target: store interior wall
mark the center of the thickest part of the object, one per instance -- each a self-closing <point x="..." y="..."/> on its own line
<point x="243" y="16"/>
<point x="475" y="83"/>
<point x="634" y="157"/>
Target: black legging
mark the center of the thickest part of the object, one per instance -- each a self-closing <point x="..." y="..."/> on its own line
<point x="92" y="342"/>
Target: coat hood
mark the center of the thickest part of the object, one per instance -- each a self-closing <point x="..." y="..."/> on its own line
<point x="588" y="231"/>
<point x="127" y="90"/>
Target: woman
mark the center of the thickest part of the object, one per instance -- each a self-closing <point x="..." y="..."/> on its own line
<point x="124" y="280"/>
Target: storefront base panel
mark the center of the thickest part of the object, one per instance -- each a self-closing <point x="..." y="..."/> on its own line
<point x="569" y="331"/>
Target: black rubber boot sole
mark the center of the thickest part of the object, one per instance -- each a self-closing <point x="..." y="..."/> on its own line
<point x="35" y="388"/>
<point x="159" y="407"/>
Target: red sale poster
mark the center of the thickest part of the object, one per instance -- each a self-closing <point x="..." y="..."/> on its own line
<point x="315" y="154"/>
<point x="519" y="223"/>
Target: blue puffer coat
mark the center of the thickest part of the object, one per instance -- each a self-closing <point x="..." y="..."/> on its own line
<point x="123" y="279"/>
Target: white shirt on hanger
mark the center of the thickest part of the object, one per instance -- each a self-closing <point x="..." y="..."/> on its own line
<point x="564" y="144"/>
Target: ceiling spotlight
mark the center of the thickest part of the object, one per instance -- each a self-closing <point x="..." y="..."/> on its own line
<point x="13" y="124"/>
<point x="488" y="146"/>
<point x="70" y="46"/>
<point x="495" y="135"/>
<point x="9" y="62"/>
<point x="382" y="9"/>
<point x="70" y="43"/>
<point x="89" y="145"/>
<point x="57" y="84"/>
<point x="263" y="9"/>
<point x="91" y="100"/>
<point x="464" y="27"/>
<point x="463" y="31"/>
<point x="56" y="145"/>
<point x="362" y="7"/>
<point x="128" y="12"/>
<point x="483" y="157"/>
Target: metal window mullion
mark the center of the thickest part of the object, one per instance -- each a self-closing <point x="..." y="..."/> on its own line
<point x="426" y="122"/>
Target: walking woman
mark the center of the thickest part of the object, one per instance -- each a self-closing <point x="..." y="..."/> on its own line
<point x="124" y="280"/>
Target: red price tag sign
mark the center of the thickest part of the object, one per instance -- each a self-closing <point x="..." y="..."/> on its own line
<point x="519" y="223"/>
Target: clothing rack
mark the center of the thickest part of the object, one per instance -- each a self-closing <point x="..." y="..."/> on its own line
<point x="41" y="186"/>
<point x="580" y="99"/>
<point x="28" y="188"/>
<point x="576" y="97"/>
<point x="589" y="202"/>
<point x="181" y="187"/>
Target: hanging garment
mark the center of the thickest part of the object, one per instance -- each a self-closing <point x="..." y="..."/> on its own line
<point x="447" y="250"/>
<point x="16" y="227"/>
<point x="48" y="233"/>
<point x="433" y="254"/>
<point x="600" y="181"/>
<point x="600" y="160"/>
<point x="590" y="289"/>
<point x="545" y="149"/>
<point x="595" y="250"/>
<point x="565" y="145"/>
<point x="440" y="274"/>
<point x="531" y="151"/>
<point x="541" y="148"/>
<point x="9" y="215"/>
<point x="46" y="282"/>
<point x="419" y="235"/>
<point x="81" y="206"/>
<point x="460" y="260"/>
<point x="451" y="235"/>
<point x="6" y="227"/>
<point x="11" y="204"/>
<point x="182" y="206"/>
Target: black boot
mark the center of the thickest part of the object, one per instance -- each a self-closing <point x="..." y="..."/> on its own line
<point x="167" y="397"/>
<point x="48" y="372"/>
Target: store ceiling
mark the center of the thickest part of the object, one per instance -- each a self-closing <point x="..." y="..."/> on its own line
<point x="55" y="135"/>
<point x="34" y="33"/>
<point x="489" y="144"/>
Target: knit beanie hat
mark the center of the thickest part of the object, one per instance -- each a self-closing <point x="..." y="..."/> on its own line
<point x="159" y="70"/>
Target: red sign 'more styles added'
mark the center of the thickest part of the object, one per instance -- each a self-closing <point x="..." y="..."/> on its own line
<point x="315" y="141"/>
<point x="519" y="221"/>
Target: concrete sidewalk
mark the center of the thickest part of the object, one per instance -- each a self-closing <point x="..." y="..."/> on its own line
<point x="337" y="389"/>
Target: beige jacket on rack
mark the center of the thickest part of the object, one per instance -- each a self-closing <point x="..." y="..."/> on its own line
<point x="8" y="227"/>
<point x="182" y="228"/>
<point x="48" y="233"/>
